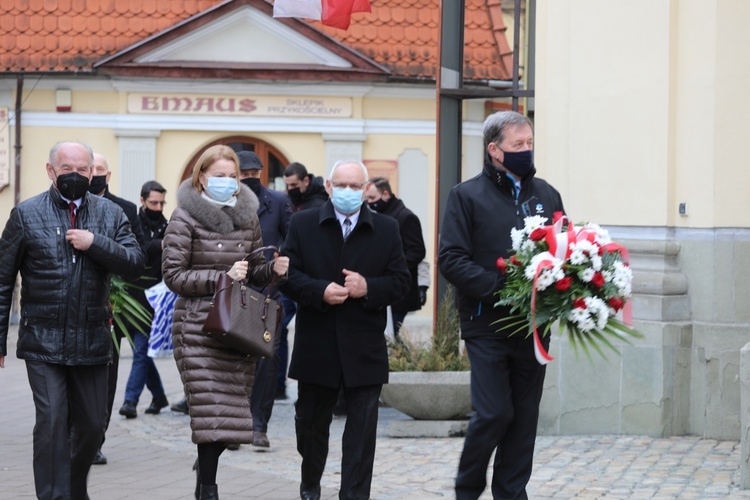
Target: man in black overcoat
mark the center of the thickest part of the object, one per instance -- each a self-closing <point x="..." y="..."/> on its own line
<point x="381" y="199"/>
<point x="274" y="213"/>
<point x="346" y="266"/>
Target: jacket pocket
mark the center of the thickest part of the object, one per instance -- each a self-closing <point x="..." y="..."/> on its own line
<point x="98" y="331"/>
<point x="40" y="331"/>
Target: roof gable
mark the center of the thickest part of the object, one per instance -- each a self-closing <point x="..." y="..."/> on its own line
<point x="244" y="36"/>
<point x="240" y="39"/>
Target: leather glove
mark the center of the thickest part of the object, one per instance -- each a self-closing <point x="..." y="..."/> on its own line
<point x="422" y="295"/>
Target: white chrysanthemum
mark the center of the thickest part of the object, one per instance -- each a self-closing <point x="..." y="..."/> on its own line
<point x="516" y="236"/>
<point x="599" y="311"/>
<point x="586" y="247"/>
<point x="608" y="275"/>
<point x="528" y="246"/>
<point x="602" y="235"/>
<point x="622" y="278"/>
<point x="577" y="258"/>
<point x="586" y="275"/>
<point x="550" y="274"/>
<point x="545" y="280"/>
<point x="596" y="262"/>
<point x="533" y="222"/>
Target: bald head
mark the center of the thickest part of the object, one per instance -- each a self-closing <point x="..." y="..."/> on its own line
<point x="101" y="176"/>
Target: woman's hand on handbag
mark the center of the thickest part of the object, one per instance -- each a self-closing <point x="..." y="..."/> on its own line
<point x="239" y="270"/>
<point x="280" y="264"/>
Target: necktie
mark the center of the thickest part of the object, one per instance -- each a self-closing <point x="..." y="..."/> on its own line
<point x="72" y="207"/>
<point x="347" y="228"/>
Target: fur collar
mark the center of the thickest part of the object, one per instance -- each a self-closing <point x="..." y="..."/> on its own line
<point x="223" y="220"/>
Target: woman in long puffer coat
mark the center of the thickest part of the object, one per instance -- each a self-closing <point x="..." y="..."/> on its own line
<point x="213" y="230"/>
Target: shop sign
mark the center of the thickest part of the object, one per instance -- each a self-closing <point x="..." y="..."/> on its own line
<point x="240" y="105"/>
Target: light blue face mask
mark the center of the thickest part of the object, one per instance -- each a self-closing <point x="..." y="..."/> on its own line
<point x="347" y="200"/>
<point x="221" y="188"/>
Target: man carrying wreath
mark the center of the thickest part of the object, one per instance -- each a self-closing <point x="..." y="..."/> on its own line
<point x="506" y="379"/>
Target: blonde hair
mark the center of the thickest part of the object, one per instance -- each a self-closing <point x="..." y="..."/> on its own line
<point x="211" y="156"/>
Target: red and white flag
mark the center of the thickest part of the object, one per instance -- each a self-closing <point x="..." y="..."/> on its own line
<point x="335" y="13"/>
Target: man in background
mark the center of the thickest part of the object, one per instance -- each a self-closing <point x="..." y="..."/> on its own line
<point x="66" y="244"/>
<point x="380" y="198"/>
<point x="305" y="191"/>
<point x="274" y="213"/>
<point x="143" y="371"/>
<point x="99" y="186"/>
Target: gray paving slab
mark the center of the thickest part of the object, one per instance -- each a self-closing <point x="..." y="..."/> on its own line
<point x="150" y="457"/>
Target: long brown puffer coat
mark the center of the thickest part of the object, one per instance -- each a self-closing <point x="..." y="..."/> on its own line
<point x="202" y="241"/>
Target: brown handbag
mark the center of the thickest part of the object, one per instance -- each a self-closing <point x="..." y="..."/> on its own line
<point x="242" y="318"/>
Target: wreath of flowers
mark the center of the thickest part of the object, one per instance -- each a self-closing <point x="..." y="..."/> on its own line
<point x="572" y="274"/>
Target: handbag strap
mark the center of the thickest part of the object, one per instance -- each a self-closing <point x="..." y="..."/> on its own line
<point x="273" y="274"/>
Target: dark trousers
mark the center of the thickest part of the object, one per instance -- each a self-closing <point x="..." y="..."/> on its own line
<point x="70" y="413"/>
<point x="264" y="386"/>
<point x="398" y="318"/>
<point x="506" y="388"/>
<point x="112" y="369"/>
<point x="143" y="372"/>
<point x="290" y="309"/>
<point x="314" y="412"/>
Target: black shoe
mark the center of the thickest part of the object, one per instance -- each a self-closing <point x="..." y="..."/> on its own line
<point x="99" y="459"/>
<point x="209" y="492"/>
<point x="260" y="439"/>
<point x="128" y="410"/>
<point x="181" y="407"/>
<point x="233" y="446"/>
<point x="309" y="493"/>
<point x="156" y="405"/>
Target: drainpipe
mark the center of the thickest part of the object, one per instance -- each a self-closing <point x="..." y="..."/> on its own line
<point x="19" y="100"/>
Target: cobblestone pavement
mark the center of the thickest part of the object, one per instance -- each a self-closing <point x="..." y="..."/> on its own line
<point x="150" y="457"/>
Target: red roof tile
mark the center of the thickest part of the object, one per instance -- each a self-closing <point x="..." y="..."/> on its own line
<point x="401" y="35"/>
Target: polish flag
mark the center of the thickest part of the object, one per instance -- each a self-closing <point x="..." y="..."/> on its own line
<point x="334" y="13"/>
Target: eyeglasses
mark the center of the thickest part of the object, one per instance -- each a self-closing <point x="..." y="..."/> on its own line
<point x="343" y="185"/>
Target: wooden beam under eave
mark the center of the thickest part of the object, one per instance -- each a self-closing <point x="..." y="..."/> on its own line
<point x="244" y="74"/>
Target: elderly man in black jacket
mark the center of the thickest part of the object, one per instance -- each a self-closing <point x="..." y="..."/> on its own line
<point x="66" y="243"/>
<point x="381" y="199"/>
<point x="346" y="265"/>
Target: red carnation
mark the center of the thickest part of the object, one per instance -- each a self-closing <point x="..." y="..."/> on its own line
<point x="501" y="264"/>
<point x="598" y="280"/>
<point x="515" y="261"/>
<point x="579" y="304"/>
<point x="564" y="284"/>
<point x="538" y="234"/>
<point x="616" y="303"/>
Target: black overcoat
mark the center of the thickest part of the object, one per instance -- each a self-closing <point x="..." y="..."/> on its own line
<point x="411" y="236"/>
<point x="347" y="340"/>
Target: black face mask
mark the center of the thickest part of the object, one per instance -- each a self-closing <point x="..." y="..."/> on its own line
<point x="98" y="184"/>
<point x="253" y="183"/>
<point x="73" y="185"/>
<point x="378" y="206"/>
<point x="152" y="214"/>
<point x="520" y="163"/>
<point x="295" y="195"/>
